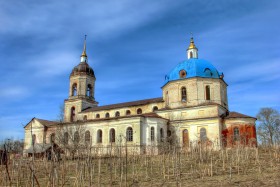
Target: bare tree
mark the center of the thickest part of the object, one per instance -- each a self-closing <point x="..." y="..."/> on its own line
<point x="60" y="115"/>
<point x="269" y="126"/>
<point x="71" y="138"/>
<point x="13" y="146"/>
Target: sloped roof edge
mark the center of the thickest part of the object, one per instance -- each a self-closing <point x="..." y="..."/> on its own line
<point x="237" y="115"/>
<point x="125" y="104"/>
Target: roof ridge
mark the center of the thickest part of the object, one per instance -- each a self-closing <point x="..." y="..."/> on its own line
<point x="233" y="114"/>
<point x="135" y="101"/>
<point x="125" y="104"/>
<point x="46" y="120"/>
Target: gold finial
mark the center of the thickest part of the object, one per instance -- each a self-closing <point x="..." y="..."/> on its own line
<point x="192" y="46"/>
<point x="84" y="51"/>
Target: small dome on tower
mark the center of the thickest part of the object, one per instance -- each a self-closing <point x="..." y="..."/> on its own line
<point x="82" y="68"/>
<point x="192" y="45"/>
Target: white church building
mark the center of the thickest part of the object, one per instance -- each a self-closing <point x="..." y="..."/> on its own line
<point x="193" y="110"/>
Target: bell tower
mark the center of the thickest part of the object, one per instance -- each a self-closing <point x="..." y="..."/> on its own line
<point x="81" y="89"/>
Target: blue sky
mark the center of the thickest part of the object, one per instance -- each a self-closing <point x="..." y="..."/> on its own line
<point x="131" y="45"/>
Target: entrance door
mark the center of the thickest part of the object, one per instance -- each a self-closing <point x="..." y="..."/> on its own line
<point x="185" y="138"/>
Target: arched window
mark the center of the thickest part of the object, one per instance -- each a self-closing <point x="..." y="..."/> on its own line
<point x="182" y="74"/>
<point x="107" y="115"/>
<point x="76" y="137"/>
<point x="117" y="114"/>
<point x="97" y="116"/>
<point x="52" y="138"/>
<point x="208" y="72"/>
<point x="74" y="89"/>
<point x="127" y="112"/>
<point x="99" y="136"/>
<point x="203" y="135"/>
<point x="166" y="98"/>
<point x="191" y="54"/>
<point x="169" y="133"/>
<point x="185" y="137"/>
<point x="87" y="137"/>
<point x="161" y="134"/>
<point x="129" y="134"/>
<point x="85" y="117"/>
<point x="236" y="134"/>
<point x="72" y="114"/>
<point x="112" y="135"/>
<point x="33" y="139"/>
<point x="139" y="111"/>
<point x="207" y="92"/>
<point x="89" y="90"/>
<point x="155" y="108"/>
<point x="152" y="134"/>
<point x="66" y="138"/>
<point x="183" y="94"/>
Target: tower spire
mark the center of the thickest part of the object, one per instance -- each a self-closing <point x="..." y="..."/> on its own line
<point x="84" y="54"/>
<point x="192" y="51"/>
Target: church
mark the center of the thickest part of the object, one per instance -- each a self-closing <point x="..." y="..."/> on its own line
<point x="192" y="111"/>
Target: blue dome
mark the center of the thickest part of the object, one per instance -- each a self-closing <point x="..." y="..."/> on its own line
<point x="193" y="68"/>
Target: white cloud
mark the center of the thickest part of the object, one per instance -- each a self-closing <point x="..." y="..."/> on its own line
<point x="52" y="63"/>
<point x="98" y="18"/>
<point x="13" y="92"/>
<point x="257" y="71"/>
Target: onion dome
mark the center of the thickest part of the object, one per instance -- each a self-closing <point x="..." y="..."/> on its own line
<point x="83" y="68"/>
<point x="193" y="67"/>
<point x="192" y="45"/>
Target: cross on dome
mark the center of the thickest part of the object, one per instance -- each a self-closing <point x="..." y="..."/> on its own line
<point x="84" y="54"/>
<point x="192" y="51"/>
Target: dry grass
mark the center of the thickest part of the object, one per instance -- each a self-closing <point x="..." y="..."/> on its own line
<point x="198" y="167"/>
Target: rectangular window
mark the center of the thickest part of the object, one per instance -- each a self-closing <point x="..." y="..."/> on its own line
<point x="152" y="134"/>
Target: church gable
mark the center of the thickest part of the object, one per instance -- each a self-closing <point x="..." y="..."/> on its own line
<point x="39" y="123"/>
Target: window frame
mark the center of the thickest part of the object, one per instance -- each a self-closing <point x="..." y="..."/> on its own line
<point x="184" y="94"/>
<point x="203" y="134"/>
<point x="117" y="114"/>
<point x="74" y="90"/>
<point x="52" y="137"/>
<point x="161" y="134"/>
<point x="152" y="135"/>
<point x="155" y="108"/>
<point x="127" y="112"/>
<point x="33" y="139"/>
<point x="207" y="93"/>
<point x="139" y="111"/>
<point x="182" y="74"/>
<point x="129" y="134"/>
<point x="72" y="113"/>
<point x="87" y="136"/>
<point x="236" y="134"/>
<point x="112" y="135"/>
<point x="89" y="90"/>
<point x="99" y="136"/>
<point x="76" y="137"/>
<point x="107" y="115"/>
